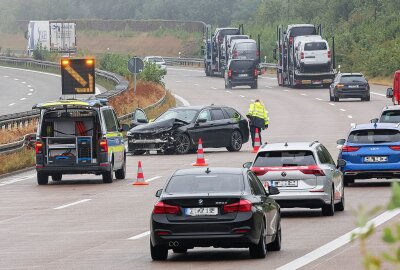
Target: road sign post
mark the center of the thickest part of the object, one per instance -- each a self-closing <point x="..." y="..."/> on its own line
<point x="135" y="66"/>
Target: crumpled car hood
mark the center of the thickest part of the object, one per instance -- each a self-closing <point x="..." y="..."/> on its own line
<point x="154" y="127"/>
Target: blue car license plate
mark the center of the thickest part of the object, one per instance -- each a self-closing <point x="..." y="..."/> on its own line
<point x="375" y="159"/>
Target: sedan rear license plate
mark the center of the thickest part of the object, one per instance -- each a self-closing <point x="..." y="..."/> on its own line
<point x="285" y="183"/>
<point x="375" y="159"/>
<point x="243" y="75"/>
<point x="203" y="211"/>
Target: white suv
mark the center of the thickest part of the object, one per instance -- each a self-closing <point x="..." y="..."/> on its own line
<point x="312" y="53"/>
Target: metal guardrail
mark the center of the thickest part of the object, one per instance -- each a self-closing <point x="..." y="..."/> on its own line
<point x="193" y="62"/>
<point x="15" y="146"/>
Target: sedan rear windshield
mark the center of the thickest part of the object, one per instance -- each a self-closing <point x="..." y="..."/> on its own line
<point x="390" y="117"/>
<point x="184" y="115"/>
<point x="353" y="79"/>
<point x="315" y="46"/>
<point x="284" y="159"/>
<point x="372" y="136"/>
<point x="215" y="183"/>
<point x="242" y="64"/>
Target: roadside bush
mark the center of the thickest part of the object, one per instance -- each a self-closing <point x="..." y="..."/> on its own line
<point x="115" y="63"/>
<point x="152" y="73"/>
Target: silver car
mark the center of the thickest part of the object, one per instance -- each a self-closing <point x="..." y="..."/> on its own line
<point x="158" y="60"/>
<point x="304" y="173"/>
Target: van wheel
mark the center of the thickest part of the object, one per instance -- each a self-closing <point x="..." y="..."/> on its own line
<point x="158" y="253"/>
<point x="42" y="178"/>
<point x="56" y="177"/>
<point x="254" y="85"/>
<point x="120" y="174"/>
<point x="109" y="175"/>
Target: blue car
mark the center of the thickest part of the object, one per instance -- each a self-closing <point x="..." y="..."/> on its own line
<point x="371" y="151"/>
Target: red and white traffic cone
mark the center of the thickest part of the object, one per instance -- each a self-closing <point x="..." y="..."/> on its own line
<point x="257" y="142"/>
<point x="200" y="161"/>
<point x="140" y="176"/>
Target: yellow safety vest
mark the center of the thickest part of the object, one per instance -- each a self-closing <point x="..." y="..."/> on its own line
<point x="258" y="110"/>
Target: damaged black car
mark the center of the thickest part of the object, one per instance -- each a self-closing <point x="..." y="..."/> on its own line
<point x="178" y="130"/>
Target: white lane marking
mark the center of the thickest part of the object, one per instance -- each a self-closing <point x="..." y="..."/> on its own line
<point x="181" y="99"/>
<point x="5" y="76"/>
<point x="23" y="82"/>
<point x="228" y="92"/>
<point x="139" y="236"/>
<point x="196" y="84"/>
<point x="22" y="98"/>
<point x="343" y="110"/>
<point x="251" y="100"/>
<point x="241" y="96"/>
<point x="16" y="79"/>
<point x="29" y="94"/>
<point x="304" y="94"/>
<point x="349" y="116"/>
<point x="29" y="86"/>
<point x="337" y="243"/>
<point x="12" y="181"/>
<point x="269" y="78"/>
<point x="378" y="94"/>
<point x="71" y="204"/>
<point x="213" y="88"/>
<point x="178" y="81"/>
<point x="320" y="99"/>
<point x="31" y="89"/>
<point x="11" y="104"/>
<point x="153" y="178"/>
<point x="286" y="90"/>
<point x="332" y="104"/>
<point x="268" y="86"/>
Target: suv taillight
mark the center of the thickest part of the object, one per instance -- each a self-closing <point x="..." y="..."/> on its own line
<point x="256" y="72"/>
<point x="103" y="145"/>
<point x="38" y="147"/>
<point x="229" y="73"/>
<point x="258" y="53"/>
<point x="241" y="206"/>
<point x="348" y="148"/>
<point x="163" y="208"/>
<point x="290" y="40"/>
<point x="315" y="170"/>
<point x="302" y="55"/>
<point x="329" y="54"/>
<point x="395" y="147"/>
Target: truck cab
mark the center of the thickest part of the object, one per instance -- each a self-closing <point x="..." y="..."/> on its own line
<point x="79" y="137"/>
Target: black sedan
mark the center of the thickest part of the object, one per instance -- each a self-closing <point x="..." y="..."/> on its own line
<point x="349" y="85"/>
<point x="215" y="207"/>
<point x="179" y="129"/>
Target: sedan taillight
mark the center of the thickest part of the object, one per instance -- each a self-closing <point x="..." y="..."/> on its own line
<point x="163" y="208"/>
<point x="241" y="206"/>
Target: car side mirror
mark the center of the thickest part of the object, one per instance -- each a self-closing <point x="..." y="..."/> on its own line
<point x="389" y="93"/>
<point x="247" y="165"/>
<point x="273" y="190"/>
<point x="341" y="141"/>
<point x="125" y="127"/>
<point x="201" y="120"/>
<point x="341" y="163"/>
<point x="374" y="120"/>
<point x="158" y="193"/>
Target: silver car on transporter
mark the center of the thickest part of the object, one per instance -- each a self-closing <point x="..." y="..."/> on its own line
<point x="304" y="173"/>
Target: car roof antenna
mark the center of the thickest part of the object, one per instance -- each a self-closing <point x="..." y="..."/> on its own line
<point x="208" y="170"/>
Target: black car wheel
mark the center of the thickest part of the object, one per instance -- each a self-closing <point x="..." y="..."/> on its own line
<point x="367" y="98"/>
<point x="108" y="176"/>
<point x="277" y="243"/>
<point x="259" y="250"/>
<point x="336" y="99"/>
<point x="138" y="152"/>
<point x="254" y="85"/>
<point x="340" y="205"/>
<point x="42" y="178"/>
<point x="182" y="145"/>
<point x="56" y="177"/>
<point x="329" y="209"/>
<point x="158" y="253"/>
<point x="236" y="142"/>
<point x="120" y="174"/>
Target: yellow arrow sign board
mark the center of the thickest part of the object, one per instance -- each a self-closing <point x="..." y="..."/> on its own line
<point x="78" y="76"/>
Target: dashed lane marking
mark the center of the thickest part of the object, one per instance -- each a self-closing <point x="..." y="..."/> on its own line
<point x="29" y="94"/>
<point x="349" y="116"/>
<point x="332" y="104"/>
<point x="343" y="110"/>
<point x="31" y="89"/>
<point x="29" y="86"/>
<point x="196" y="84"/>
<point x="71" y="204"/>
<point x="214" y="88"/>
<point x="5" y="76"/>
<point x="228" y="92"/>
<point x="16" y="79"/>
<point x="286" y="90"/>
<point x="241" y="96"/>
<point x="15" y="180"/>
<point x="23" y="82"/>
<point x="22" y="98"/>
<point x="378" y="94"/>
<point x="337" y="243"/>
<point x="304" y="94"/>
<point x="11" y="104"/>
<point x="139" y="236"/>
<point x="320" y="99"/>
<point x="153" y="178"/>
<point x="178" y="81"/>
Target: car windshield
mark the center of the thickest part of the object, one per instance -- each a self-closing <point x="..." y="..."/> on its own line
<point x="353" y="78"/>
<point x="213" y="183"/>
<point x="242" y="64"/>
<point x="156" y="59"/>
<point x="372" y="136"/>
<point x="390" y="117"/>
<point x="284" y="158"/>
<point x="315" y="46"/>
<point x="183" y="115"/>
<point x="303" y="31"/>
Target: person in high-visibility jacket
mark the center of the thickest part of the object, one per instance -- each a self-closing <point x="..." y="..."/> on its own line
<point x="258" y="118"/>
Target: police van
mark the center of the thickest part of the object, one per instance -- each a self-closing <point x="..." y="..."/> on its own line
<point x="79" y="137"/>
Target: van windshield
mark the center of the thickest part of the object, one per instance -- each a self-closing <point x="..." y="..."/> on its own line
<point x="315" y="46"/>
<point x="284" y="158"/>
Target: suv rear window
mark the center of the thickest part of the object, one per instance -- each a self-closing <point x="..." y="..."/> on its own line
<point x="372" y="136"/>
<point x="390" y="117"/>
<point x="242" y="64"/>
<point x="353" y="78"/>
<point x="302" y="31"/>
<point x="315" y="46"/>
<point x="194" y="184"/>
<point x="284" y="158"/>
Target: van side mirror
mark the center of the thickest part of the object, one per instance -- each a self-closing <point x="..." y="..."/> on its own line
<point x="273" y="190"/>
<point x="247" y="165"/>
<point x="389" y="93"/>
<point x="375" y="120"/>
<point x="341" y="141"/>
<point x="341" y="163"/>
<point x="158" y="193"/>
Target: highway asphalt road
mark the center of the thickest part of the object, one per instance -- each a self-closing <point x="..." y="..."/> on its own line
<point x="80" y="223"/>
<point x="20" y="89"/>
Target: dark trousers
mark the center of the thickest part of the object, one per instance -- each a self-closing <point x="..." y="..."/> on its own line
<point x="253" y="134"/>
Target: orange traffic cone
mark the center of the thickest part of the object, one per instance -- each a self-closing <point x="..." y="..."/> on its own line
<point x="140" y="176"/>
<point x="200" y="161"/>
<point x="257" y="142"/>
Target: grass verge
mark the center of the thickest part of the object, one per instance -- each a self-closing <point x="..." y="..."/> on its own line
<point x="17" y="161"/>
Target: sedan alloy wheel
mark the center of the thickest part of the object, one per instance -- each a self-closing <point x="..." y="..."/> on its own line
<point x="236" y="142"/>
<point x="182" y="145"/>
